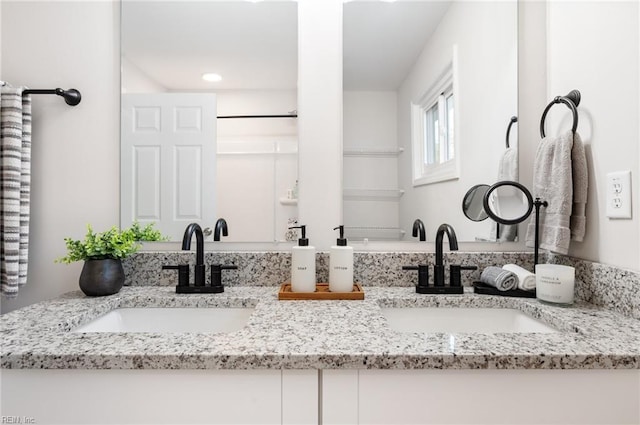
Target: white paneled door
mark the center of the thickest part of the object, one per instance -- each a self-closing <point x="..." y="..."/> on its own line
<point x="168" y="160"/>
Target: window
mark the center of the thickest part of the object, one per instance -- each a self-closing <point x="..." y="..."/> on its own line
<point x="434" y="135"/>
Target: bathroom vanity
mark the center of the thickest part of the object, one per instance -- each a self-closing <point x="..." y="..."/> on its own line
<point x="326" y="362"/>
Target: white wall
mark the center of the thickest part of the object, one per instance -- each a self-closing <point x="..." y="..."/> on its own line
<point x="486" y="86"/>
<point x="598" y="54"/>
<point x="134" y="80"/>
<point x="320" y="118"/>
<point x="75" y="150"/>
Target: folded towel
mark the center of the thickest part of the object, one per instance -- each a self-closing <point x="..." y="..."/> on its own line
<point x="526" y="279"/>
<point x="15" y="148"/>
<point x="553" y="182"/>
<point x="507" y="170"/>
<point x="580" y="186"/>
<point x="502" y="280"/>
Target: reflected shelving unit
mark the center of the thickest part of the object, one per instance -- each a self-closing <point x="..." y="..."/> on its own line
<point x="365" y="152"/>
<point x="371" y="202"/>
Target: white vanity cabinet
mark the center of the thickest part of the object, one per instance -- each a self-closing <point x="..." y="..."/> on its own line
<point x="185" y="396"/>
<point x="480" y="396"/>
<point x="326" y="397"/>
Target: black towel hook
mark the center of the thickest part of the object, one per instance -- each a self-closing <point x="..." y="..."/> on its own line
<point x="514" y="119"/>
<point x="572" y="100"/>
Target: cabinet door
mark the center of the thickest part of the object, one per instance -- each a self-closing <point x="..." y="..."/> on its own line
<point x="481" y="397"/>
<point x="499" y="397"/>
<point x="143" y="396"/>
<point x="300" y="397"/>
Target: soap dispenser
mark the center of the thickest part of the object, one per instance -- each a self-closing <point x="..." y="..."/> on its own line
<point x="341" y="265"/>
<point x="303" y="264"/>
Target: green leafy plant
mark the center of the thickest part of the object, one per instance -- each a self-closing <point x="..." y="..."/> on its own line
<point x="146" y="233"/>
<point x="112" y="244"/>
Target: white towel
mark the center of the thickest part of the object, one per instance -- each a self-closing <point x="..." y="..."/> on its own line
<point x="526" y="279"/>
<point x="508" y="166"/>
<point x="15" y="145"/>
<point x="507" y="170"/>
<point x="553" y="182"/>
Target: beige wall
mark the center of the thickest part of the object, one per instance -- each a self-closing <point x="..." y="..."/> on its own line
<point x="75" y="150"/>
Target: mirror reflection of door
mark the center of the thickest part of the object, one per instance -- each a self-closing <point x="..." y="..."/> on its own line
<point x="168" y="150"/>
<point x="167" y="48"/>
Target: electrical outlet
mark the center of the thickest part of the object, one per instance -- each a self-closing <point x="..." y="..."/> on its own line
<point x="619" y="194"/>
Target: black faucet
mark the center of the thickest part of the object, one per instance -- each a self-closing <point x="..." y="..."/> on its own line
<point x="221" y="225"/>
<point x="438" y="269"/>
<point x="199" y="286"/>
<point x="186" y="246"/>
<point x="418" y="229"/>
<point x="455" y="287"/>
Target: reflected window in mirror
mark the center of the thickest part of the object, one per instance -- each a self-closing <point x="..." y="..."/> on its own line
<point x="433" y="133"/>
<point x="439" y="137"/>
<point x="399" y="58"/>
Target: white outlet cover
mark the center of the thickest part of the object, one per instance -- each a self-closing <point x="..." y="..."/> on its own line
<point x="619" y="194"/>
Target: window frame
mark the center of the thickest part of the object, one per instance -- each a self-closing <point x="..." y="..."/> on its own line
<point x="422" y="173"/>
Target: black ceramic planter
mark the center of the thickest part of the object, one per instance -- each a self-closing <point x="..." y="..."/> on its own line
<point x="101" y="277"/>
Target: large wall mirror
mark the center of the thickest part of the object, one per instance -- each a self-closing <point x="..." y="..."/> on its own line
<point x="198" y="147"/>
<point x="430" y="88"/>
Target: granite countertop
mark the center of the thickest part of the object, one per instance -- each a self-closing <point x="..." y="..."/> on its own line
<point x="313" y="335"/>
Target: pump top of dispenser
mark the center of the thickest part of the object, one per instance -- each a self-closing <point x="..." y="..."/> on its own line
<point x="341" y="241"/>
<point x="303" y="241"/>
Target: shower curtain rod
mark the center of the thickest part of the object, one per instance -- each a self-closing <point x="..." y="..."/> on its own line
<point x="291" y="115"/>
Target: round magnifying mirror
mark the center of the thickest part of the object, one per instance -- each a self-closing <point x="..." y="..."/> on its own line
<point x="508" y="202"/>
<point x="472" y="203"/>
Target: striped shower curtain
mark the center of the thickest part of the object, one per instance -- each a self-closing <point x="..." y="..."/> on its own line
<point x="15" y="166"/>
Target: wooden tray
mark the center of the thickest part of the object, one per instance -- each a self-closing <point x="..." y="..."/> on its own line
<point x="322" y="293"/>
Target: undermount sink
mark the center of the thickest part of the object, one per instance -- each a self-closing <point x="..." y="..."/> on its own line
<point x="463" y="320"/>
<point x="169" y="320"/>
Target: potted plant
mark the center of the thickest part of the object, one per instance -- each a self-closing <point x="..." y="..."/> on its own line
<point x="102" y="253"/>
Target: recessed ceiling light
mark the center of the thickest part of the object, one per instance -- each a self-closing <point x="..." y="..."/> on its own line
<point x="212" y="77"/>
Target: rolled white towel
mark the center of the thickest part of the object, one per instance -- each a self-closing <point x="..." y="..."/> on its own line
<point x="502" y="280"/>
<point x="526" y="279"/>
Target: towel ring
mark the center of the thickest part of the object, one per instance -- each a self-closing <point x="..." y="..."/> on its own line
<point x="572" y="100"/>
<point x="514" y="119"/>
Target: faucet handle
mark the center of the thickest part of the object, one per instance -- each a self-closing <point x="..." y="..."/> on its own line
<point x="183" y="273"/>
<point x="423" y="275"/>
<point x="216" y="275"/>
<point x="455" y="275"/>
